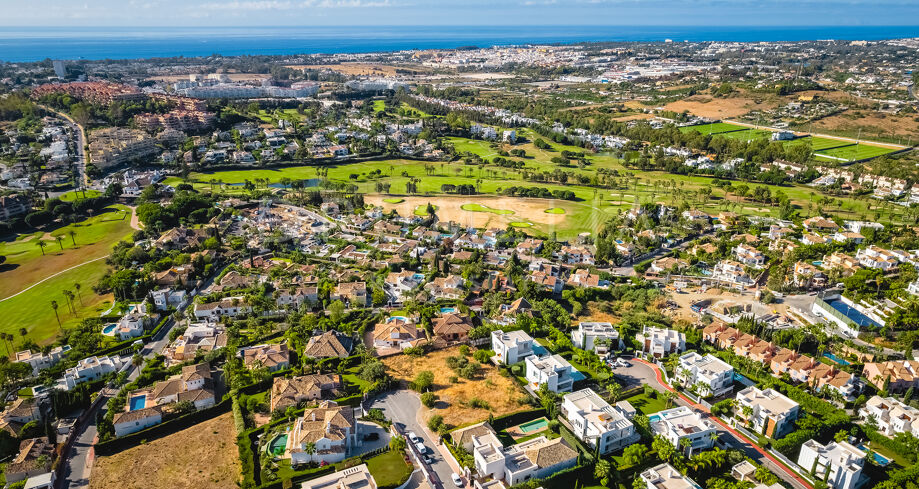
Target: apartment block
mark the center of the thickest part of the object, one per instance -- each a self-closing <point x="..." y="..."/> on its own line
<point x="838" y="464"/>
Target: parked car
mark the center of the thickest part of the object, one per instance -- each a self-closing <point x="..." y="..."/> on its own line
<point x="427" y="459"/>
<point x="412" y="437"/>
<point x="421" y="448"/>
<point x="456" y="479"/>
<point x="623" y="363"/>
<point x="372" y="436"/>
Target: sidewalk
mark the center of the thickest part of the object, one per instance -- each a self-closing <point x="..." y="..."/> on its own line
<point x="728" y="428"/>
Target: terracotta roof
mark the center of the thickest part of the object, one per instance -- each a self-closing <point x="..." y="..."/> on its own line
<point x="328" y="344"/>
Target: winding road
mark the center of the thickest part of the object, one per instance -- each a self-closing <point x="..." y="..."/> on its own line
<point x="753" y="450"/>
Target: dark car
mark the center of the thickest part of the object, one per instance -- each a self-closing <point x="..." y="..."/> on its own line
<point x="372" y="436"/>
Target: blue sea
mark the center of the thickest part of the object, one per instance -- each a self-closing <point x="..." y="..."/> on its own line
<point x="71" y="43"/>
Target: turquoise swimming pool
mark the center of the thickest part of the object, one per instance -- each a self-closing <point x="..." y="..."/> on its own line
<point x="278" y="445"/>
<point x="535" y="425"/>
<point x="108" y="328"/>
<point x="137" y="402"/>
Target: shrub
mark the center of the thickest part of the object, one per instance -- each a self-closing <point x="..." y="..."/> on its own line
<point x="429" y="399"/>
<point x="464" y="350"/>
<point x="435" y="422"/>
<point x="482" y="356"/>
<point x="423" y="381"/>
<point x="477" y="403"/>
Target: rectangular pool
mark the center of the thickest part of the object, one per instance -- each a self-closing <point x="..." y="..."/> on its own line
<point x="535" y="425"/>
<point x="137" y="402"/>
<point x="836" y="359"/>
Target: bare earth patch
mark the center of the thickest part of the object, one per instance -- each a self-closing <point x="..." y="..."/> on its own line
<point x="718" y="108"/>
<point x="201" y="457"/>
<point x="450" y="209"/>
<point x="501" y="393"/>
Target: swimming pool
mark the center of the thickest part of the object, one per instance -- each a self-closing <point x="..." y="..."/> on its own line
<point x="137" y="402"/>
<point x="278" y="445"/>
<point x="835" y="358"/>
<point x="535" y="425"/>
<point x="447" y="310"/>
<point x="109" y="328"/>
<point x="654" y="418"/>
<point x="880" y="459"/>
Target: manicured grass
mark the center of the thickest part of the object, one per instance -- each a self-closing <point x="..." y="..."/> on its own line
<point x="94" y="237"/>
<point x="746" y="134"/>
<point x="855" y="152"/>
<point x="74" y="195"/>
<point x="389" y="469"/>
<point x="648" y="405"/>
<point x="394" y="200"/>
<point x="484" y="208"/>
<point x="716" y="128"/>
<point x="521" y="224"/>
<point x="422" y="210"/>
<point x="352" y="378"/>
<point x="555" y="210"/>
<point x="379" y="105"/>
<point x="818" y="143"/>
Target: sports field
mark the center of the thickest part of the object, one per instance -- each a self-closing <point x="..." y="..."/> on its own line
<point x="715" y="128"/>
<point x="852" y="152"/>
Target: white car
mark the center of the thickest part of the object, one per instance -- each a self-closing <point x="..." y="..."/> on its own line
<point x="421" y="448"/>
<point x="412" y="437"/>
<point x="622" y="363"/>
<point x="456" y="479"/>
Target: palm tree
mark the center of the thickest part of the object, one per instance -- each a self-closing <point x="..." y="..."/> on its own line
<point x="54" y="306"/>
<point x="72" y="234"/>
<point x="41" y="244"/>
<point x="69" y="295"/>
<point x="59" y="239"/>
<point x="23" y="332"/>
<point x="77" y="287"/>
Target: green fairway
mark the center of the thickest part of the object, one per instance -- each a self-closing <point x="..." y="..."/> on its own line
<point x="522" y="224"/>
<point x="483" y="208"/>
<point x="746" y="134"/>
<point x="93" y="238"/>
<point x="715" y="128"/>
<point x="394" y="200"/>
<point x="555" y="210"/>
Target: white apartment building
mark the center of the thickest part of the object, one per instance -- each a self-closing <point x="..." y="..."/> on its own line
<point x="707" y="374"/>
<point x="552" y="370"/>
<point x="682" y="422"/>
<point x="770" y="412"/>
<point x="838" y="464"/>
<point x="596" y="336"/>
<point x="39" y="361"/>
<point x="597" y="423"/>
<point x="891" y="416"/>
<point x="511" y="347"/>
<point x="665" y="476"/>
<point x="87" y="370"/>
<point x="659" y="342"/>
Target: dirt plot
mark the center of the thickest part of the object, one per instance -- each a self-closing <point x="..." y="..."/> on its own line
<point x="871" y="124"/>
<point x="450" y="209"/>
<point x="201" y="457"/>
<point x="501" y="393"/>
<point x="360" y="68"/>
<point x="717" y="108"/>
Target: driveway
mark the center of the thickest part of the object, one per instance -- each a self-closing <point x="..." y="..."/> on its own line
<point x="366" y="428"/>
<point x="402" y="407"/>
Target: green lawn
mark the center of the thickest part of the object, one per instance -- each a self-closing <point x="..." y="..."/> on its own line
<point x="422" y="210"/>
<point x="484" y="208"/>
<point x="715" y="128"/>
<point x="389" y="469"/>
<point x="394" y="200"/>
<point x="74" y="195"/>
<point x="555" y="210"/>
<point x="648" y="405"/>
<point x="854" y="152"/>
<point x="521" y="224"/>
<point x="379" y="105"/>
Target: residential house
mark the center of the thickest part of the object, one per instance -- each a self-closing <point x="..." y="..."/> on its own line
<point x="532" y="459"/>
<point x="839" y="465"/>
<point x="353" y="293"/>
<point x="449" y="287"/>
<point x="88" y="370"/>
<point x="330" y="428"/>
<point x="682" y="422"/>
<point x="19" y="413"/>
<point x="749" y="255"/>
<point x="877" y="257"/>
<point x="40" y="361"/>
<point x="733" y="273"/>
<point x="452" y="327"/>
<point x="34" y="458"/>
<point x="358" y="477"/>
<point x="659" y="342"/>
<point x="664" y="476"/>
<point x="841" y="261"/>
<point x="807" y="276"/>
<point x="901" y="374"/>
<point x="328" y="345"/>
<point x="891" y="416"/>
<point x="287" y="392"/>
<point x="274" y="357"/>
<point x="597" y="423"/>
<point x="397" y="332"/>
<point x="511" y="347"/>
<point x="596" y="336"/>
<point x="820" y="224"/>
<point x="766" y="412"/>
<point x="552" y="370"/>
<point x="583" y="278"/>
<point x="548" y="283"/>
<point x="226" y="307"/>
<point x="706" y="375"/>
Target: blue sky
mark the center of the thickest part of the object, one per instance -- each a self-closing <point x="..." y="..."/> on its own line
<point x="455" y="12"/>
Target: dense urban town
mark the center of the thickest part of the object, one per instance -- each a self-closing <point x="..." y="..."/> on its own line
<point x="663" y="265"/>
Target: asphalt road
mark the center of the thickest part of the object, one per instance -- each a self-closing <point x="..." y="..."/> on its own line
<point x="639" y="373"/>
<point x="402" y="408"/>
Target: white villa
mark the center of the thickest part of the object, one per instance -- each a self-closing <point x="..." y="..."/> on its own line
<point x="87" y="370"/>
<point x="708" y="375"/>
<point x="682" y="422"/>
<point x="552" y="370"/>
<point x="330" y="428"/>
<point x="533" y="459"/>
<point x="358" y="477"/>
<point x="597" y="423"/>
<point x="664" y="476"/>
<point x="39" y="361"/>
<point x="511" y="347"/>
<point x="770" y="412"/>
<point x="659" y="342"/>
<point x="838" y="464"/>
<point x="891" y="416"/>
<point x="596" y="336"/>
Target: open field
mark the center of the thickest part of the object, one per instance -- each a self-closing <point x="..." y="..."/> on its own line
<point x="25" y="264"/>
<point x="713" y="128"/>
<point x="201" y="457"/>
<point x="501" y="393"/>
<point x="459" y="209"/>
<point x="77" y="195"/>
<point x="853" y="152"/>
<point x="871" y="124"/>
<point x="717" y="108"/>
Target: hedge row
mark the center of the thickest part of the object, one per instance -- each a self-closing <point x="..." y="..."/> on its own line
<point x="890" y="444"/>
<point x="163" y="429"/>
